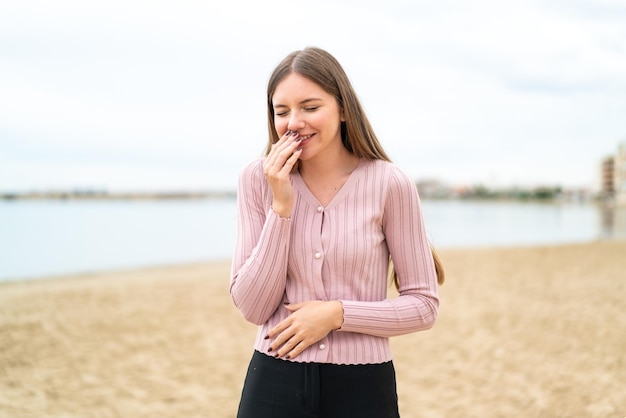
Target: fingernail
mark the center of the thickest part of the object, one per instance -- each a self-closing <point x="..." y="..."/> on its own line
<point x="288" y="132"/>
<point x="269" y="349"/>
<point x="267" y="337"/>
<point x="299" y="139"/>
<point x="276" y="356"/>
<point x="294" y="133"/>
<point x="287" y="357"/>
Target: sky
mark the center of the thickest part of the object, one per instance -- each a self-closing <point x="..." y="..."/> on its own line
<point x="133" y="95"/>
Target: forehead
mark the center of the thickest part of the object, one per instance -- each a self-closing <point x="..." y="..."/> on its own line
<point x="296" y="87"/>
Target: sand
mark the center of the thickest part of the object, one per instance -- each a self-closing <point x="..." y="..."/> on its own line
<point x="522" y="332"/>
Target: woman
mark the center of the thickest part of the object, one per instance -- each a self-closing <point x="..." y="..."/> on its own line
<point x="320" y="218"/>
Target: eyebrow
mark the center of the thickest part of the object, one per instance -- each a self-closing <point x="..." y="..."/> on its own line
<point x="305" y="101"/>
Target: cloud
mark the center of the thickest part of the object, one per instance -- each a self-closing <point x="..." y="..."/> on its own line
<point x="153" y="94"/>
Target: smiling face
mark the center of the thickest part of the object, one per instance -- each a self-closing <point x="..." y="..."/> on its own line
<point x="302" y="106"/>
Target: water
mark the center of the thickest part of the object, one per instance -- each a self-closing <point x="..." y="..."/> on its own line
<point x="42" y="238"/>
<point x="484" y="223"/>
<point x="46" y="238"/>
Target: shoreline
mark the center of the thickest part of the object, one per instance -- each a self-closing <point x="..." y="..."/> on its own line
<point x="139" y="268"/>
<point x="522" y="331"/>
<point x="87" y="274"/>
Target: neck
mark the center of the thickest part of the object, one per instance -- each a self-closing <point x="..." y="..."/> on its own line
<point x="340" y="163"/>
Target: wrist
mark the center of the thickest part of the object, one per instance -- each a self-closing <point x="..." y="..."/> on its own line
<point x="281" y="210"/>
<point x="338" y="314"/>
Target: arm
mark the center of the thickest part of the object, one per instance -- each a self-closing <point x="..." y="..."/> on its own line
<point x="416" y="307"/>
<point x="259" y="268"/>
<point x="259" y="271"/>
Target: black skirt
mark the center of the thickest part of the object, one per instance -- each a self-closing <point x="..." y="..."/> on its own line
<point x="276" y="388"/>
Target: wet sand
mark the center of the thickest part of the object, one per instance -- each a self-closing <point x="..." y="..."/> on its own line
<point x="522" y="332"/>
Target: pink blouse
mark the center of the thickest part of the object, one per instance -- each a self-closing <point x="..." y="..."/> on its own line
<point x="337" y="252"/>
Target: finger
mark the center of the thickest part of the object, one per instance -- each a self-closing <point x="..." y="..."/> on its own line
<point x="284" y="136"/>
<point x="288" y="146"/>
<point x="288" y="347"/>
<point x="281" y="345"/>
<point x="284" y="159"/>
<point x="280" y="327"/>
<point x="273" y="166"/>
<point x="297" y="350"/>
<point x="281" y="140"/>
<point x="291" y="161"/>
<point x="285" y="139"/>
<point x="282" y="150"/>
<point x="292" y="307"/>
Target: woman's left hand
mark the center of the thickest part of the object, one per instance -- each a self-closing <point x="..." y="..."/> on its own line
<point x="308" y="323"/>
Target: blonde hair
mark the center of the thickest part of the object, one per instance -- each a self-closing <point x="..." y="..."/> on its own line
<point x="357" y="134"/>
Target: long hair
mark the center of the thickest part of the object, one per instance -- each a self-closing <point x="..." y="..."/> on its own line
<point x="357" y="134"/>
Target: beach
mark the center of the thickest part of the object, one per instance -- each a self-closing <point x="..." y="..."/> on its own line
<point x="522" y="332"/>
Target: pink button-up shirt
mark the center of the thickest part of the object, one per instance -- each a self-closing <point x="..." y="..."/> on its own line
<point x="337" y="252"/>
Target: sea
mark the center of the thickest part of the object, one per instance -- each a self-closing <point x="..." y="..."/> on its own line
<point x="48" y="238"/>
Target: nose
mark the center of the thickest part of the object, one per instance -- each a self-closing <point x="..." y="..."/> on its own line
<point x="295" y="121"/>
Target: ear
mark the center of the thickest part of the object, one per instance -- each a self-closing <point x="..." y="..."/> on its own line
<point x="342" y="116"/>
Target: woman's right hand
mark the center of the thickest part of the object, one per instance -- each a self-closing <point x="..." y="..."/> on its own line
<point x="277" y="168"/>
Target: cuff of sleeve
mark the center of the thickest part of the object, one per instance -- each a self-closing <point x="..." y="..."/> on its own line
<point x="351" y="322"/>
<point x="278" y="216"/>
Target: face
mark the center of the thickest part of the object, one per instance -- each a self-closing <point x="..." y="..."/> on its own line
<point x="302" y="106"/>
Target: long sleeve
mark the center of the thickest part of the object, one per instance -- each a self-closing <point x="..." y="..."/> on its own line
<point x="417" y="305"/>
<point x="259" y="268"/>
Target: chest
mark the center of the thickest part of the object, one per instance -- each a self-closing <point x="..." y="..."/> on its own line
<point x="324" y="191"/>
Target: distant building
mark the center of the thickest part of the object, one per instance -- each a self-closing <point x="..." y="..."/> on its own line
<point x="607" y="178"/>
<point x="433" y="189"/>
<point x="619" y="177"/>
